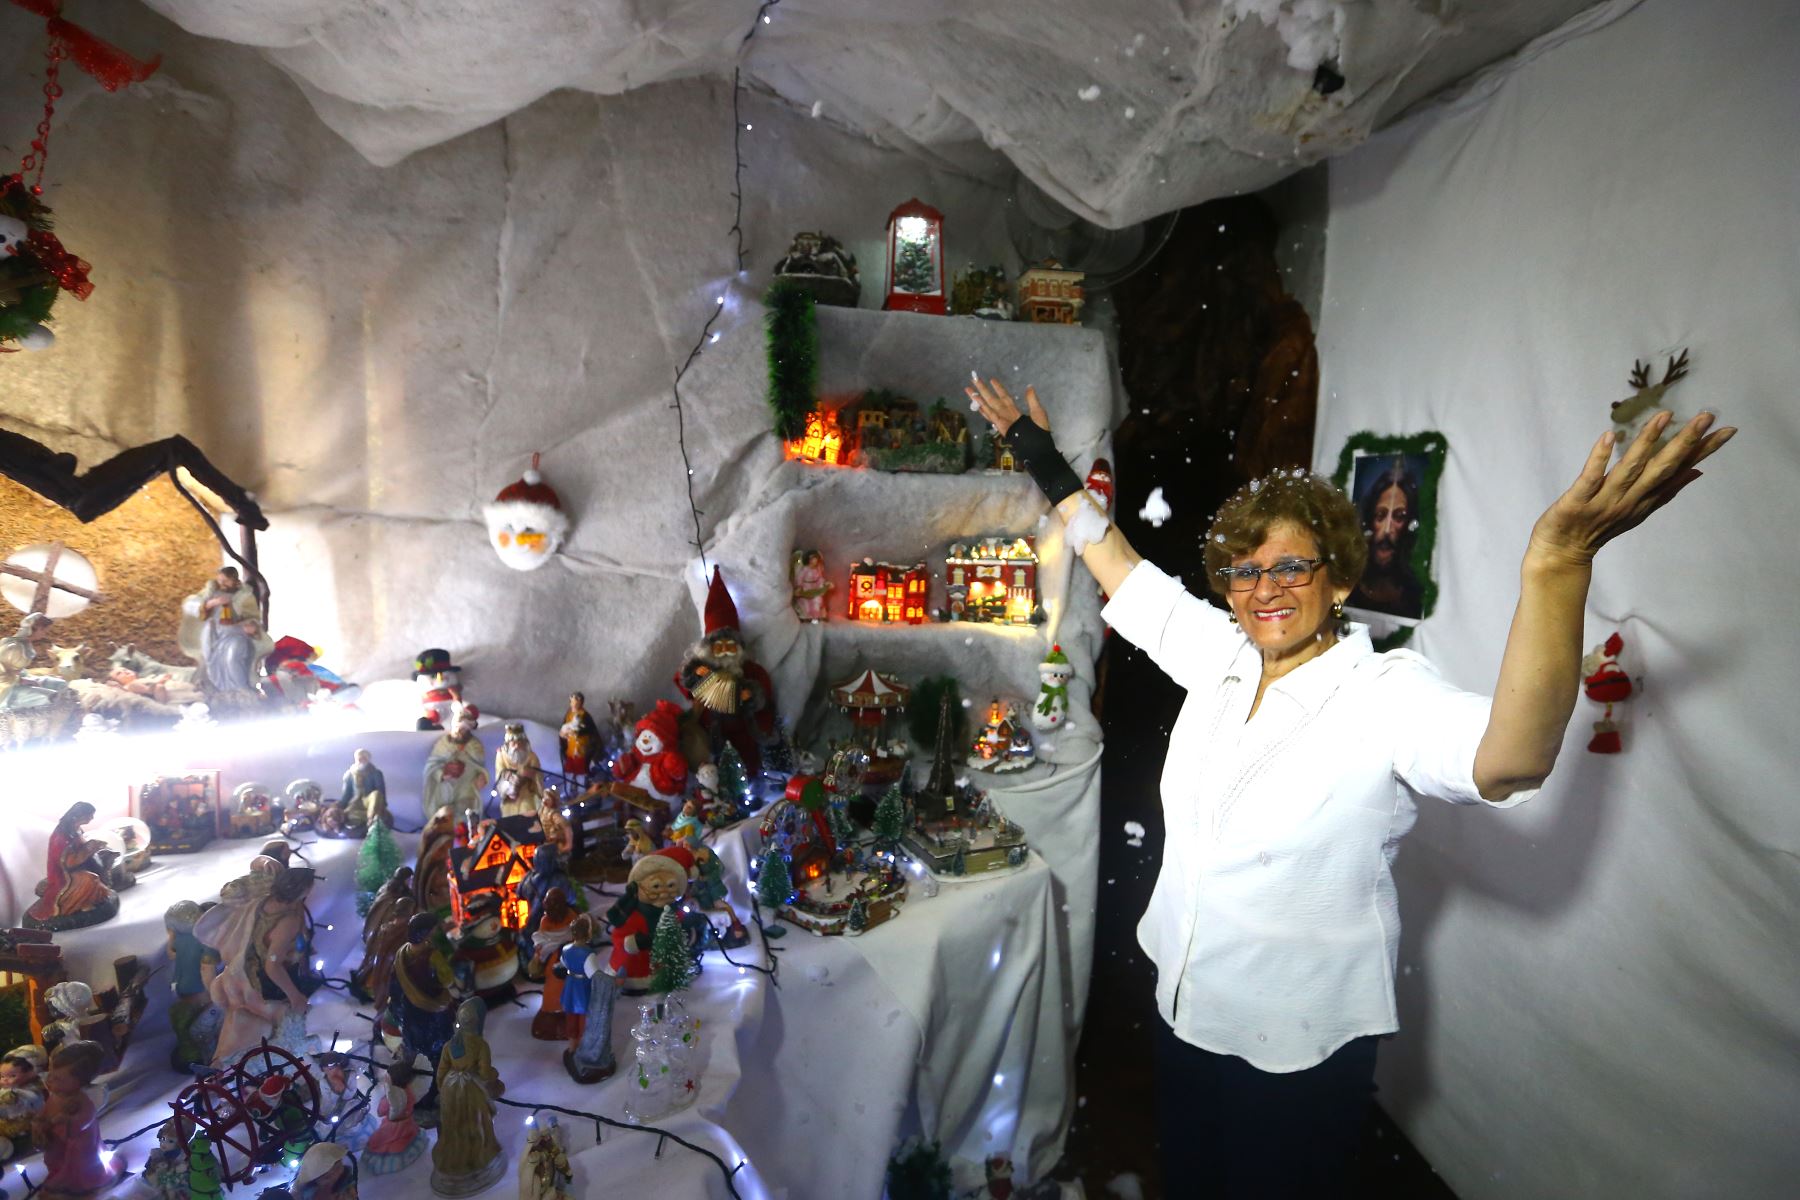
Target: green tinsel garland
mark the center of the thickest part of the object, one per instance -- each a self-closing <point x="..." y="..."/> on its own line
<point x="1433" y="446"/>
<point x="24" y="307"/>
<point x="793" y="340"/>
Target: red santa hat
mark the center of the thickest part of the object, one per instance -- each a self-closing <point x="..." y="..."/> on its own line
<point x="682" y="855"/>
<point x="665" y="722"/>
<point x="288" y="649"/>
<point x="721" y="613"/>
<point x="528" y="503"/>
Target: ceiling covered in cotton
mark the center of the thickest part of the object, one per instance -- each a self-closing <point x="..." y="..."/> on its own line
<point x="1121" y="109"/>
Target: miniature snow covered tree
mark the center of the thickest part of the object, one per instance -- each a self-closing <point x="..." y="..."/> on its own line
<point x="376" y="863"/>
<point x="837" y="818"/>
<point x="959" y="865"/>
<point x="778" y="752"/>
<point x="774" y="886"/>
<point x="890" y="818"/>
<point x="203" y="1169"/>
<point x="913" y="269"/>
<point x="858" y="919"/>
<point x="732" y="783"/>
<point x="672" y="968"/>
<point x="918" y="1171"/>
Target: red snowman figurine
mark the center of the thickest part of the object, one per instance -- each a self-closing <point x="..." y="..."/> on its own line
<point x="1605" y="682"/>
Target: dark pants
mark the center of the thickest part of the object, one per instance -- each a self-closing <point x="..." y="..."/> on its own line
<point x="1230" y="1130"/>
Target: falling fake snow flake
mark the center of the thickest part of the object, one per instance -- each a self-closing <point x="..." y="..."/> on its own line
<point x="1156" y="510"/>
<point x="1130" y="112"/>
<point x="818" y="108"/>
<point x="1090" y="92"/>
<point x="1134" y="834"/>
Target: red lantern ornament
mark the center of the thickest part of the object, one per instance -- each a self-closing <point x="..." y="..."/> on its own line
<point x="915" y="236"/>
<point x="1605" y="682"/>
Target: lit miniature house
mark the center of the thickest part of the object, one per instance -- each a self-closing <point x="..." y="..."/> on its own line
<point x="497" y="857"/>
<point x="1051" y="295"/>
<point x="882" y="593"/>
<point x="993" y="580"/>
<point x="823" y="441"/>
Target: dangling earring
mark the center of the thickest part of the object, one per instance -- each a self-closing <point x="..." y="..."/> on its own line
<point x="1231" y="615"/>
<point x="1337" y="609"/>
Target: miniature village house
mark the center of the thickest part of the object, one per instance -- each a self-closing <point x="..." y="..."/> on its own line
<point x="497" y="857"/>
<point x="823" y="441"/>
<point x="994" y="580"/>
<point x="882" y="593"/>
<point x="1051" y="295"/>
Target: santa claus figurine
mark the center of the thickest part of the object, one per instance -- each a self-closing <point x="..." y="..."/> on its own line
<point x="733" y="696"/>
<point x="1100" y="484"/>
<point x="653" y="763"/>
<point x="526" y="521"/>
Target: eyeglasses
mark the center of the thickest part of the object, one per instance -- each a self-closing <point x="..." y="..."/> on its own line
<point x="1289" y="572"/>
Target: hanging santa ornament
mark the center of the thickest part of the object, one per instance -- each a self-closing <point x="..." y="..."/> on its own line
<point x="1605" y="682"/>
<point x="34" y="267"/>
<point x="526" y="521"/>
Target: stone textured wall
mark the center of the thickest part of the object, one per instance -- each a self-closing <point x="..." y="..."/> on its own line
<point x="376" y="351"/>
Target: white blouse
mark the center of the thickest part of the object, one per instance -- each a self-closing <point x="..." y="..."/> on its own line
<point x="1274" y="927"/>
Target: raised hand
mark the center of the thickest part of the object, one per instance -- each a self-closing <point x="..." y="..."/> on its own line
<point x="1602" y="504"/>
<point x="1001" y="410"/>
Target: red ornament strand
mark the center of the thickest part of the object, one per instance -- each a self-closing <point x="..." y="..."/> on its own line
<point x="35" y="158"/>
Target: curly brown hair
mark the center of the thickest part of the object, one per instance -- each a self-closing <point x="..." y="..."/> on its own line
<point x="1310" y="501"/>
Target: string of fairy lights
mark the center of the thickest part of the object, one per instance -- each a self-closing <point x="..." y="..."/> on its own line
<point x="708" y="334"/>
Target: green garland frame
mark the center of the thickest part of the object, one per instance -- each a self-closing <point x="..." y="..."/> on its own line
<point x="1434" y="448"/>
<point x="793" y="343"/>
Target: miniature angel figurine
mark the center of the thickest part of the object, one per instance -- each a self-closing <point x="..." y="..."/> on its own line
<point x="544" y="1172"/>
<point x="555" y="929"/>
<point x="456" y="774"/>
<point x="68" y="1127"/>
<point x="259" y="929"/>
<point x="398" y="1142"/>
<point x="73" y="894"/>
<point x="518" y="774"/>
<point x="325" y="1174"/>
<point x="807" y="572"/>
<point x="22" y="1097"/>
<point x="578" y="739"/>
<point x="365" y="795"/>
<point x="467" y="1156"/>
<point x="193" y="967"/>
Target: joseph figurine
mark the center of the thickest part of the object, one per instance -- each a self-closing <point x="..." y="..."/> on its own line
<point x="221" y="628"/>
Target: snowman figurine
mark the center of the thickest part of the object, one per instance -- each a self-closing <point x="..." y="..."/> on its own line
<point x="526" y="522"/>
<point x="1052" y="708"/>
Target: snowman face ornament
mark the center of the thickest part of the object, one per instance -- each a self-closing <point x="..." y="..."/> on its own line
<point x="525" y="541"/>
<point x="13" y="233"/>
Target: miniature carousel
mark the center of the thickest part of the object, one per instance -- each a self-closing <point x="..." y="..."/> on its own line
<point x="872" y="701"/>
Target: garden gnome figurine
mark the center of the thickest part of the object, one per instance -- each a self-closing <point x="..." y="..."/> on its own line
<point x="733" y="696"/>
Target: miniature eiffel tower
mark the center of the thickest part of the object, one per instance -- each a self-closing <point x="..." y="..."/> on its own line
<point x="938" y="798"/>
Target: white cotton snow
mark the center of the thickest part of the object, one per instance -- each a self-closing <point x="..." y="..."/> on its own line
<point x="1311" y="29"/>
<point x="1126" y="1187"/>
<point x="1087" y="527"/>
<point x="1090" y="92"/>
<point x="1156" y="510"/>
<point x="1134" y="834"/>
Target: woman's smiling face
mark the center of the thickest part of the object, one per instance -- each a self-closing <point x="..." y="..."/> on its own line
<point x="1281" y="619"/>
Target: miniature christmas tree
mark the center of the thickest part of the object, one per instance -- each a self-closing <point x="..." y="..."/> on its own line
<point x="959" y="865"/>
<point x="203" y="1169"/>
<point x="858" y="920"/>
<point x="778" y="753"/>
<point x="917" y="1171"/>
<point x="774" y="886"/>
<point x="732" y="783"/>
<point x="376" y="863"/>
<point x="890" y="818"/>
<point x="837" y="818"/>
<point x="913" y="269"/>
<point x="672" y="968"/>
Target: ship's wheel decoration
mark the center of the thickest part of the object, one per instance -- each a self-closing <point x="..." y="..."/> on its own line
<point x="34" y="266"/>
<point x="251" y="1111"/>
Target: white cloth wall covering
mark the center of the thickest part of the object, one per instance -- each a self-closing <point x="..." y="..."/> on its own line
<point x="1598" y="989"/>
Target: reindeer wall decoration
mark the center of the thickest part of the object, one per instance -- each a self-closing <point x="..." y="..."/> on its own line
<point x="1630" y="414"/>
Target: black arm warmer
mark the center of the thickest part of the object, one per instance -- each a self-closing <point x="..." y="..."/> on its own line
<point x="1036" y="451"/>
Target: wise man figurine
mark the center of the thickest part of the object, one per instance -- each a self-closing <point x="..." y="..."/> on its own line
<point x="733" y="696"/>
<point x="456" y="773"/>
<point x="518" y="773"/>
<point x="222" y="629"/>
